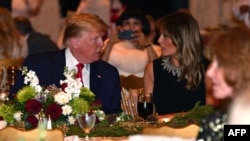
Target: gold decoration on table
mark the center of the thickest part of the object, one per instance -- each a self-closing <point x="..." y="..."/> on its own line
<point x="64" y="127"/>
<point x="20" y="125"/>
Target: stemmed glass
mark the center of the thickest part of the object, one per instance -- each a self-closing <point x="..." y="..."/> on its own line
<point x="86" y="122"/>
<point x="144" y="106"/>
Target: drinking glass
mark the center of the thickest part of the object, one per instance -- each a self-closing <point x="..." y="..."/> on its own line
<point x="86" y="122"/>
<point x="144" y="106"/>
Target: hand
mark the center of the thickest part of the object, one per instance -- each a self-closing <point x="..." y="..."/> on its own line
<point x="113" y="38"/>
<point x="244" y="9"/>
<point x="141" y="39"/>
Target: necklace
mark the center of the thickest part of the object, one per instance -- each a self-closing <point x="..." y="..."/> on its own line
<point x="176" y="71"/>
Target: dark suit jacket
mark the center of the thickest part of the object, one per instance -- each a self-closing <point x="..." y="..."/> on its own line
<point x="39" y="43"/>
<point x="49" y="67"/>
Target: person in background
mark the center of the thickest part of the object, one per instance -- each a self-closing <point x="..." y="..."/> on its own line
<point x="25" y="8"/>
<point x="10" y="42"/>
<point x="130" y="55"/>
<point x="116" y="9"/>
<point x="241" y="10"/>
<point x="153" y="31"/>
<point x="83" y="40"/>
<point x="239" y="109"/>
<point x="176" y="80"/>
<point x="37" y="42"/>
<point x="229" y="78"/>
<point x="97" y="7"/>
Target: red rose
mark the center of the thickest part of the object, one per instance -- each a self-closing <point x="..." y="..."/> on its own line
<point x="1" y="118"/>
<point x="96" y="104"/>
<point x="32" y="120"/>
<point x="63" y="86"/>
<point x="54" y="111"/>
<point x="33" y="106"/>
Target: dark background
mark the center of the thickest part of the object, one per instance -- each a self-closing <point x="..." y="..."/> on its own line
<point x="157" y="8"/>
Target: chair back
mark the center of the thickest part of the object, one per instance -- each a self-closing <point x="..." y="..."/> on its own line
<point x="8" y="71"/>
<point x="131" y="87"/>
<point x="190" y="131"/>
<point x="14" y="134"/>
<point x="131" y="82"/>
<point x="11" y="62"/>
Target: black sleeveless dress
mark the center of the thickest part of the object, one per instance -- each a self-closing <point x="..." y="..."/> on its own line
<point x="170" y="95"/>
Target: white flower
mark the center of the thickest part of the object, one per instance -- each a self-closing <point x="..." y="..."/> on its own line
<point x="100" y="114"/>
<point x="18" y="116"/>
<point x="73" y="87"/>
<point x="3" y="124"/>
<point x="61" y="98"/>
<point x="41" y="97"/>
<point x="33" y="80"/>
<point x="71" y="120"/>
<point x="66" y="110"/>
<point x="3" y="96"/>
<point x="118" y="119"/>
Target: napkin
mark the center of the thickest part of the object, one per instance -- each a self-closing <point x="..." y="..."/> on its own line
<point x="156" y="138"/>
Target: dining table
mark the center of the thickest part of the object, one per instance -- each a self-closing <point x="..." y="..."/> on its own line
<point x="132" y="130"/>
<point x="125" y="131"/>
<point x="138" y="137"/>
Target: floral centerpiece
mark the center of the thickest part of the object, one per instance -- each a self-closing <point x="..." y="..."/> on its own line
<point x="34" y="103"/>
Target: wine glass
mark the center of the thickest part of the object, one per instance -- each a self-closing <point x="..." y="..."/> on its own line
<point x="144" y="106"/>
<point x="86" y="122"/>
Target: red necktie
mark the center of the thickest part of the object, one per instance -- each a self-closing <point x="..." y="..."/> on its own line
<point x="79" y="71"/>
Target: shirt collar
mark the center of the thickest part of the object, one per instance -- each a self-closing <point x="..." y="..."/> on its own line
<point x="71" y="61"/>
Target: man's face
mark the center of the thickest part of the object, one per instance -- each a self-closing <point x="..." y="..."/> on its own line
<point x="87" y="47"/>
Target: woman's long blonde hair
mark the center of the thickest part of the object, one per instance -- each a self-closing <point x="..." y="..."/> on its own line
<point x="184" y="32"/>
<point x="9" y="36"/>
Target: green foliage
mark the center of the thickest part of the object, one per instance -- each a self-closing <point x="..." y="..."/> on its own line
<point x="6" y="111"/>
<point x="104" y="130"/>
<point x="131" y="127"/>
<point x="79" y="106"/>
<point x="194" y="116"/>
<point x="87" y="95"/>
<point x="25" y="94"/>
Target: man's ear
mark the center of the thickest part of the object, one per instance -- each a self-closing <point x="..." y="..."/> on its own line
<point x="74" y="42"/>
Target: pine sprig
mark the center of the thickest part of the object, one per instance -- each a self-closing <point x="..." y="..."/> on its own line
<point x="194" y="116"/>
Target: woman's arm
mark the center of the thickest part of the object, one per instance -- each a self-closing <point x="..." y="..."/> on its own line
<point x="148" y="79"/>
<point x="113" y="39"/>
<point x="151" y="52"/>
<point x="106" y="51"/>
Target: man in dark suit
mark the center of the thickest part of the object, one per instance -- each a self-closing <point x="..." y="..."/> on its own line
<point x="37" y="42"/>
<point x="83" y="40"/>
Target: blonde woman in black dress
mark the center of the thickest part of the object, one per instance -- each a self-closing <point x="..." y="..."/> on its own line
<point x="176" y="80"/>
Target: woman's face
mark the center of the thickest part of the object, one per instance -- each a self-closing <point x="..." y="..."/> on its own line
<point x="132" y="24"/>
<point x="168" y="48"/>
<point x="220" y="88"/>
